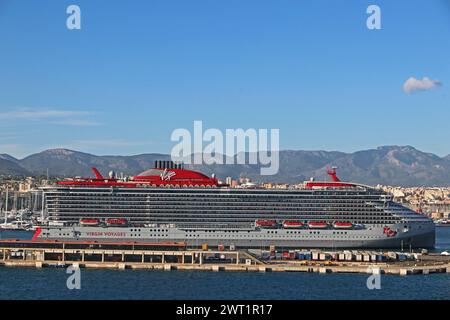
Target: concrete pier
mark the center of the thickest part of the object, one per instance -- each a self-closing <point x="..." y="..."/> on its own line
<point x="208" y="260"/>
<point x="424" y="270"/>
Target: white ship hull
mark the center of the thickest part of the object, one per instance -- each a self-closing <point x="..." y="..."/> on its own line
<point x="185" y="210"/>
<point x="415" y="235"/>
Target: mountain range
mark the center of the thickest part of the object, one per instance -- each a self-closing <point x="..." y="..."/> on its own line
<point x="387" y="165"/>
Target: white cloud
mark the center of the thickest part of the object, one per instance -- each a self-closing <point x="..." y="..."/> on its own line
<point x="76" y="122"/>
<point x="412" y="84"/>
<point x="36" y="114"/>
<point x="51" y="116"/>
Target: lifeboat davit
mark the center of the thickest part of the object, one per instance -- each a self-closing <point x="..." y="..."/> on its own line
<point x="342" y="225"/>
<point x="116" y="222"/>
<point x="89" y="222"/>
<point x="266" y="223"/>
<point x="292" y="224"/>
<point x="317" y="225"/>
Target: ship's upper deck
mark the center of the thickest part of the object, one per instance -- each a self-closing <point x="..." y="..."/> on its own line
<point x="172" y="175"/>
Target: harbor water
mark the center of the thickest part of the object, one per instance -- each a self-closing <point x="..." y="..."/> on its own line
<point x="30" y="283"/>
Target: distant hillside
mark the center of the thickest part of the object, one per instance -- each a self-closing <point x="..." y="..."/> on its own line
<point x="393" y="165"/>
<point x="63" y="162"/>
<point x="389" y="165"/>
<point x="10" y="168"/>
<point x="5" y="156"/>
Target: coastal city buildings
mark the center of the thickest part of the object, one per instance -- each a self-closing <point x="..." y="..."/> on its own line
<point x="18" y="194"/>
<point x="433" y="201"/>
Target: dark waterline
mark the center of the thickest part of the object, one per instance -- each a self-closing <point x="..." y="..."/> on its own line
<point x="30" y="283"/>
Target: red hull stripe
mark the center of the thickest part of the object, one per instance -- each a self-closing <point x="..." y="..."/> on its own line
<point x="36" y="234"/>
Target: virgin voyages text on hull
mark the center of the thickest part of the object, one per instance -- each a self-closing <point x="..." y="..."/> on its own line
<point x="169" y="203"/>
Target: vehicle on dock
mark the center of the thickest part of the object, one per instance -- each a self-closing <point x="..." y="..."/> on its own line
<point x="217" y="258"/>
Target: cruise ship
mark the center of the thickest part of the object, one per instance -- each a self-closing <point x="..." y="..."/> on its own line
<point x="171" y="204"/>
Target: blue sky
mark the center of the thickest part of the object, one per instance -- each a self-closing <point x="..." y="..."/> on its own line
<point x="137" y="70"/>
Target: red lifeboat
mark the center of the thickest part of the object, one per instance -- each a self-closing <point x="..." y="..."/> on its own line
<point x="317" y="225"/>
<point x="342" y="225"/>
<point x="89" y="222"/>
<point x="266" y="223"/>
<point x="120" y="222"/>
<point x="290" y="224"/>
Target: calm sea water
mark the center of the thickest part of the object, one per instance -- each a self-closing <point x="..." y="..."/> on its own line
<point x="24" y="283"/>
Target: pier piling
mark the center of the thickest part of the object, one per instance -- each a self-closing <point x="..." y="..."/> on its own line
<point x="403" y="272"/>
